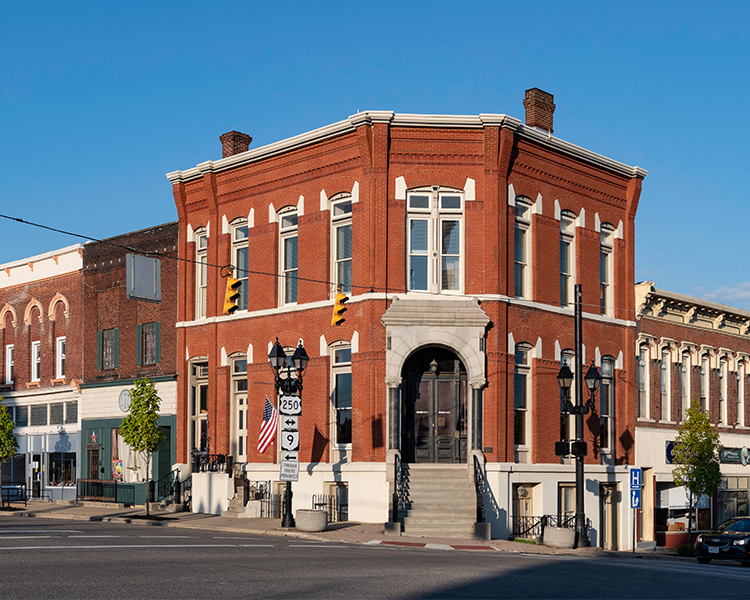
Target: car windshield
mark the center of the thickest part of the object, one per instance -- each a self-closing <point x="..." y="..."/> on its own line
<point x="735" y="525"/>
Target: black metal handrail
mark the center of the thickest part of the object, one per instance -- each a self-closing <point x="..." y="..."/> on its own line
<point x="165" y="485"/>
<point x="478" y="484"/>
<point x="217" y="463"/>
<point x="530" y="526"/>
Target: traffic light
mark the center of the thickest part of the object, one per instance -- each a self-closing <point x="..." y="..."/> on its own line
<point x="339" y="308"/>
<point x="232" y="295"/>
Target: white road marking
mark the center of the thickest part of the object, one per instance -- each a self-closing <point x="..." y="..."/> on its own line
<point x="120" y="547"/>
<point x="41" y="531"/>
<point x="28" y="537"/>
<point x="169" y="537"/>
<point x="315" y="546"/>
<point x="94" y="536"/>
<point x="255" y="545"/>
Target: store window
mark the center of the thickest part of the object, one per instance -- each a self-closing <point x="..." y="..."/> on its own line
<point x="62" y="468"/>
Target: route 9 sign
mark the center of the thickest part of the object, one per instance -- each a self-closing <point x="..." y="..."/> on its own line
<point x="290" y="440"/>
<point x="290" y="405"/>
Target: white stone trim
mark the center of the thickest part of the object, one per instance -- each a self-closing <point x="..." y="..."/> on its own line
<point x="355" y="192"/>
<point x="355" y="342"/>
<point x="323" y="201"/>
<point x="400" y="188"/>
<point x="470" y="193"/>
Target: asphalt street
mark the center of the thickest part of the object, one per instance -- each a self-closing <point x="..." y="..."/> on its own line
<point x="71" y="559"/>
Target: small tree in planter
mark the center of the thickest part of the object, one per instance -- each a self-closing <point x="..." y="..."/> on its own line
<point x="8" y="442"/>
<point x="139" y="429"/>
<point x="696" y="456"/>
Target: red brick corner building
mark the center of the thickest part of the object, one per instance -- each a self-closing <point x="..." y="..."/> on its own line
<point x="459" y="240"/>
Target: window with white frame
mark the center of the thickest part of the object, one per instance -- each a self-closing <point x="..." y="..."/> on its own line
<point x="741" y="393"/>
<point x="522" y="247"/>
<point x="567" y="257"/>
<point x="9" y="363"/>
<point x="36" y="360"/>
<point x="341" y="394"/>
<point x="198" y="407"/>
<point x="60" y="358"/>
<point x="201" y="273"/>
<point x="566" y="507"/>
<point x="288" y="255"/>
<point x="341" y="238"/>
<point x="723" y="388"/>
<point x="685" y="374"/>
<point x="435" y="240"/>
<point x="239" y="407"/>
<point x="240" y="259"/>
<point x="606" y="246"/>
<point x="643" y="383"/>
<point x="665" y="385"/>
<point x="705" y="381"/>
<point x="522" y="396"/>
<point x="607" y="400"/>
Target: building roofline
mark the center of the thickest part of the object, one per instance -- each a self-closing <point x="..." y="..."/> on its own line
<point x="349" y="125"/>
<point x="653" y="291"/>
<point x="40" y="257"/>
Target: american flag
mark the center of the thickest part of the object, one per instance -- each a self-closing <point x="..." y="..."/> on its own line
<point x="268" y="426"/>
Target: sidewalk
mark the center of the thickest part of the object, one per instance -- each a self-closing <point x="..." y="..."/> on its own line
<point x="346" y="532"/>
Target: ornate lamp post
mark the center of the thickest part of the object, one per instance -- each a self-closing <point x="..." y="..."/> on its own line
<point x="578" y="448"/>
<point x="288" y="371"/>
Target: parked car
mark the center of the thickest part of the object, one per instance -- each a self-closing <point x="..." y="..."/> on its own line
<point x="729" y="541"/>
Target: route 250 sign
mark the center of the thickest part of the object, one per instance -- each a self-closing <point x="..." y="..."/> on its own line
<point x="290" y="405"/>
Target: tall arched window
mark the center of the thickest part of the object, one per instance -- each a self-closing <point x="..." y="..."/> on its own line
<point x="201" y="273"/>
<point x="665" y="385"/>
<point x="288" y="255"/>
<point x="341" y="240"/>
<point x="607" y="401"/>
<point x="240" y="259"/>
<point x="606" y="247"/>
<point x="643" y="383"/>
<point x="741" y="393"/>
<point x="522" y="248"/>
<point x="522" y="398"/>
<point x="723" y="388"/>
<point x="705" y="381"/>
<point x="435" y="240"/>
<point x="567" y="257"/>
<point x="685" y="374"/>
<point x="238" y="447"/>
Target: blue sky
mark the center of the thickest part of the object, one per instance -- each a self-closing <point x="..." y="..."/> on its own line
<point x="98" y="102"/>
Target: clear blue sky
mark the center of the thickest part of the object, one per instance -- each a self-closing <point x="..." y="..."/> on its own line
<point x="98" y="102"/>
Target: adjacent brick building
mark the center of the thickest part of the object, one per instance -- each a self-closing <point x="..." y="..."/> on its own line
<point x="458" y="240"/>
<point x="690" y="350"/>
<point x="128" y="335"/>
<point x="41" y="316"/>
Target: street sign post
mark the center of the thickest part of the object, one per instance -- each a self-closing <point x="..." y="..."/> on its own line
<point x="635" y="478"/>
<point x="636" y="481"/>
<point x="290" y="405"/>
<point x="290" y="440"/>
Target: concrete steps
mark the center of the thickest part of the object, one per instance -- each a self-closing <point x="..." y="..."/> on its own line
<point x="440" y="500"/>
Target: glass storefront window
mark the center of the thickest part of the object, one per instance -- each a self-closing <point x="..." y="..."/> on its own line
<point x="62" y="468"/>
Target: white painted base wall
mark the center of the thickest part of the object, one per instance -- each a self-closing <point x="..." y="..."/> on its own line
<point x="211" y="492"/>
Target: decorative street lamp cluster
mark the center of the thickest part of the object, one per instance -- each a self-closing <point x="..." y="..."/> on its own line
<point x="288" y="371"/>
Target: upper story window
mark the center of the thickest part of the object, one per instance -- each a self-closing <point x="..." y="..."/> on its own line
<point x="36" y="360"/>
<point x="522" y="247"/>
<point x="148" y="343"/>
<point x="201" y="273"/>
<point x="607" y="418"/>
<point x="643" y="383"/>
<point x="435" y="240"/>
<point x="522" y="396"/>
<point x="685" y="371"/>
<point x="288" y="255"/>
<point x="665" y="384"/>
<point x="239" y="406"/>
<point x="741" y="393"/>
<point x="108" y="349"/>
<point x="341" y="394"/>
<point x="606" y="246"/>
<point x="723" y="385"/>
<point x="567" y="257"/>
<point x="240" y="259"/>
<point x="705" y="380"/>
<point x="341" y="224"/>
<point x="60" y="358"/>
<point x="9" y="363"/>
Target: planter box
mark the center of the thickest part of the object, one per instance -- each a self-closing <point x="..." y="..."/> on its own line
<point x="559" y="537"/>
<point x="309" y="519"/>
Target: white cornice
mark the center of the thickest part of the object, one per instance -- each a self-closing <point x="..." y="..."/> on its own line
<point x="407" y="120"/>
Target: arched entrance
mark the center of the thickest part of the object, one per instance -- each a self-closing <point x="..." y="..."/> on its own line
<point x="434" y="419"/>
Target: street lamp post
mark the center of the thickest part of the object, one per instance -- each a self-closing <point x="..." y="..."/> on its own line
<point x="288" y="371"/>
<point x="578" y="447"/>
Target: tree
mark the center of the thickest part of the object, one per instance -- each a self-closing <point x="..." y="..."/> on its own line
<point x="696" y="456"/>
<point x="8" y="442"/>
<point x="139" y="429"/>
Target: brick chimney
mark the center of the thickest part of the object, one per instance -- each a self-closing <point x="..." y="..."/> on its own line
<point x="539" y="107"/>
<point x="234" y="142"/>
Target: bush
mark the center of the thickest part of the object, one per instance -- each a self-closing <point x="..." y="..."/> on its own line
<point x="686" y="550"/>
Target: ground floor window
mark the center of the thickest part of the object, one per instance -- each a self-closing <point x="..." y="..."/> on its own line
<point x="62" y="468"/>
<point x="14" y="470"/>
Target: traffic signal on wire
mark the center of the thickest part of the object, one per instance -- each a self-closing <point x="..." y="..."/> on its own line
<point x="232" y="295"/>
<point x="338" y="308"/>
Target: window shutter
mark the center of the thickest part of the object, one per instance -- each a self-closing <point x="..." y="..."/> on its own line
<point x="117" y="348"/>
<point x="157" y="335"/>
<point x="139" y="344"/>
<point x="99" y="350"/>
